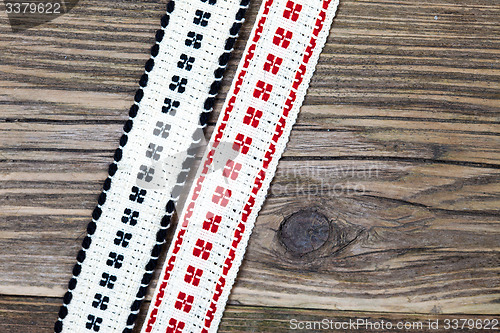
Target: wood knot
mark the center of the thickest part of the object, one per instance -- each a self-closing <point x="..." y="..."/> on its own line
<point x="304" y="231"/>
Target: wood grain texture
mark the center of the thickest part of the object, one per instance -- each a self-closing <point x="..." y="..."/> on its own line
<point x="236" y="318"/>
<point x="397" y="146"/>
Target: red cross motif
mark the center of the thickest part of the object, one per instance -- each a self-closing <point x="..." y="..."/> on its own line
<point x="292" y="10"/>
<point x="262" y="90"/>
<point x="282" y="37"/>
<point x="231" y="170"/>
<point x="202" y="249"/>
<point x="272" y="63"/>
<point x="175" y="326"/>
<point x="242" y="143"/>
<point x="221" y="196"/>
<point x="193" y="275"/>
<point x="184" y="302"/>
<point x="212" y="222"/>
<point x="252" y="117"/>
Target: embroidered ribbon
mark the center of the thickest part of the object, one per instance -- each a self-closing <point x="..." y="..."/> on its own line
<point x="257" y="117"/>
<point x="129" y="224"/>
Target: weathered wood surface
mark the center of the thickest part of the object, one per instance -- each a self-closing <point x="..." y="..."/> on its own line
<point x="397" y="148"/>
<point x="236" y="318"/>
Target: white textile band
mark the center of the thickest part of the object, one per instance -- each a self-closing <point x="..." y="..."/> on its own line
<point x="255" y="122"/>
<point x="171" y="107"/>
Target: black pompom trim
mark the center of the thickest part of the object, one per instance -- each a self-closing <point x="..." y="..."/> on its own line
<point x="170" y="6"/>
<point x="128" y="126"/>
<point x="80" y="256"/>
<point x="123" y="140"/>
<point x="151" y="265"/>
<point x="204" y="118"/>
<point x="219" y="72"/>
<point x="107" y="184"/>
<point x="72" y="284"/>
<point x="77" y="269"/>
<point x="118" y="154"/>
<point x="142" y="292"/>
<point x="160" y="235"/>
<point x="155" y="49"/>
<point x="146" y="278"/>
<point x="63" y="312"/>
<point x="131" y="319"/>
<point x="96" y="214"/>
<point x="209" y="103"/>
<point x="240" y="15"/>
<point x="224" y="59"/>
<point x="214" y="87"/>
<point x="86" y="242"/>
<point x="149" y="65"/>
<point x="102" y="199"/>
<point x="67" y="297"/>
<point x="112" y="169"/>
<point x="229" y="44"/>
<point x="159" y="35"/>
<point x="58" y="325"/>
<point x="143" y="81"/>
<point x="170" y="207"/>
<point x="91" y="228"/>
<point x="139" y="94"/>
<point x="165" y="19"/>
<point x="133" y="111"/>
<point x="156" y="250"/>
<point x="235" y="28"/>
<point x="136" y="305"/>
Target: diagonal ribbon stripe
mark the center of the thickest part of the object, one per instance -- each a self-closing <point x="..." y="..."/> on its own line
<point x="260" y="109"/>
<point x="171" y="107"/>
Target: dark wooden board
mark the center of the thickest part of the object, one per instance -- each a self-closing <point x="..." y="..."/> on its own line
<point x="393" y="163"/>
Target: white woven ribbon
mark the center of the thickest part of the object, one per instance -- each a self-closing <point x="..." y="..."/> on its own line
<point x="249" y="138"/>
<point x="129" y="224"/>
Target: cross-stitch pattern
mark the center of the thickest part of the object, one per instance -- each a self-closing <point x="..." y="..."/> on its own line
<point x="130" y="222"/>
<point x="257" y="117"/>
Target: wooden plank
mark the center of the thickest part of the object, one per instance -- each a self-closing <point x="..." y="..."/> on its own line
<point x="393" y="163"/>
<point x="41" y="313"/>
<point x="403" y="236"/>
